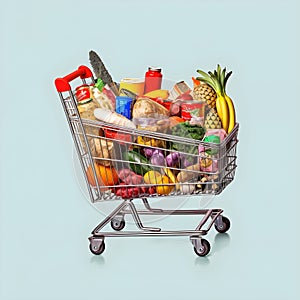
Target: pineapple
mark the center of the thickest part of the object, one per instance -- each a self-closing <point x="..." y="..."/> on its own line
<point x="224" y="105"/>
<point x="206" y="93"/>
<point x="212" y="120"/>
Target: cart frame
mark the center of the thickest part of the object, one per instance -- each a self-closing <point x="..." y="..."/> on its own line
<point x="116" y="218"/>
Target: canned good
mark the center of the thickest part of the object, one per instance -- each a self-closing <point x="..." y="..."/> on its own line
<point x="83" y="94"/>
<point x="124" y="106"/>
<point x="134" y="85"/>
<point x="191" y="109"/>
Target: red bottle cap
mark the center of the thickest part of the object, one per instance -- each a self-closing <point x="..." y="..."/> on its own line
<point x="156" y="69"/>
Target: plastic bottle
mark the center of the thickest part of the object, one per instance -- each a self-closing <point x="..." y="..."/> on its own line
<point x="153" y="78"/>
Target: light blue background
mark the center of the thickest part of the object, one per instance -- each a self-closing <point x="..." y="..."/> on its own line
<point x="44" y="217"/>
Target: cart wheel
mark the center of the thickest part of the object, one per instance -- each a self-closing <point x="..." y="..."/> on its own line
<point x="117" y="224"/>
<point x="97" y="250"/>
<point x="204" y="248"/>
<point x="222" y="228"/>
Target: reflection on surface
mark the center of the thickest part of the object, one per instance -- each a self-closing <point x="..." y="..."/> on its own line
<point x="221" y="241"/>
<point x="202" y="261"/>
<point x="97" y="259"/>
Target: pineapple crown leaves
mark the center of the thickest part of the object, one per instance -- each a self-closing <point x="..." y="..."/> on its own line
<point x="217" y="79"/>
<point x="223" y="77"/>
<point x="206" y="79"/>
<point x="226" y="78"/>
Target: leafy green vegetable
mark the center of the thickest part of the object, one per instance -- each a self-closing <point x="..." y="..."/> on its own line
<point x="139" y="163"/>
<point x="186" y="130"/>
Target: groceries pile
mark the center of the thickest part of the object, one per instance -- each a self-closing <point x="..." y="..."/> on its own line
<point x="163" y="154"/>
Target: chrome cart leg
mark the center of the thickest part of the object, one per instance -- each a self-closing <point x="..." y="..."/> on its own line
<point x="138" y="221"/>
<point x="204" y="219"/>
<point x="202" y="246"/>
<point x="209" y="213"/>
<point x="97" y="245"/>
<point x="148" y="207"/>
<point x="111" y="216"/>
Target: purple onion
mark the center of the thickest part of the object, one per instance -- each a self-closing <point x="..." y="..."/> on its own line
<point x="186" y="163"/>
<point x="148" y="152"/>
<point x="172" y="159"/>
<point x="158" y="158"/>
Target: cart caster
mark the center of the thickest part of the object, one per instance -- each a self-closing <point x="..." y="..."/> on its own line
<point x="117" y="223"/>
<point x="201" y="246"/>
<point x="223" y="225"/>
<point x="97" y="246"/>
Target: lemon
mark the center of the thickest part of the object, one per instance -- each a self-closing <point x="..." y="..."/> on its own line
<point x="152" y="177"/>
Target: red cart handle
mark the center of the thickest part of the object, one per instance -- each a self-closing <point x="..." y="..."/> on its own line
<point x="62" y="84"/>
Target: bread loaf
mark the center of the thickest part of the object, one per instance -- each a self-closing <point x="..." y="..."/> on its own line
<point x="112" y="117"/>
<point x="147" y="108"/>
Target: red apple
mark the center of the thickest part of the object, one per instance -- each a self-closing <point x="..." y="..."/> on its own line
<point x="185" y="96"/>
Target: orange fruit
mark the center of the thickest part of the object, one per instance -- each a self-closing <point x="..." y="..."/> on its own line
<point x="90" y="175"/>
<point x="108" y="175"/>
<point x="164" y="188"/>
<point x="105" y="175"/>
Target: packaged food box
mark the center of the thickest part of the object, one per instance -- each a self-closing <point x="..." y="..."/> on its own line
<point x="178" y="89"/>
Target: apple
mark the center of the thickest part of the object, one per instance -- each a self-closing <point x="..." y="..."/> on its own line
<point x="185" y="96"/>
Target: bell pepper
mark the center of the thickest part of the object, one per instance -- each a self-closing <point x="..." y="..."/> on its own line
<point x="137" y="162"/>
<point x="147" y="141"/>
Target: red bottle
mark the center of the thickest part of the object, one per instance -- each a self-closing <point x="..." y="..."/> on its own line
<point x="153" y="78"/>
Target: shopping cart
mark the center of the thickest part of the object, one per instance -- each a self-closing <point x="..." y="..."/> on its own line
<point x="193" y="181"/>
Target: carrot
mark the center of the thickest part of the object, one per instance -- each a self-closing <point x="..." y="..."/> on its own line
<point x="174" y="120"/>
<point x="196" y="81"/>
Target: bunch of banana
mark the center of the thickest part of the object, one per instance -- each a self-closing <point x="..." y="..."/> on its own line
<point x="224" y="105"/>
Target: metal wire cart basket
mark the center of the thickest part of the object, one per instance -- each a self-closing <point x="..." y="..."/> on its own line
<point x="125" y="175"/>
